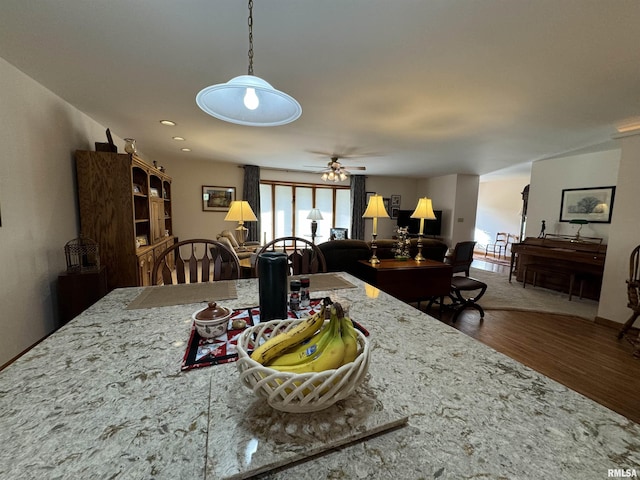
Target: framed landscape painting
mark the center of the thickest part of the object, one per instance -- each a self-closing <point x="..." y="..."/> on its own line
<point x="594" y="205"/>
<point x="217" y="199"/>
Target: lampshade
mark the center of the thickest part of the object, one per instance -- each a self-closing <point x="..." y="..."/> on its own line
<point x="424" y="210"/>
<point x="375" y="209"/>
<point x="240" y="211"/>
<point x="227" y="102"/>
<point x="247" y="99"/>
<point x="314" y="214"/>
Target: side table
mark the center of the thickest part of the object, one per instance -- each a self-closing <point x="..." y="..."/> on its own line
<point x="78" y="291"/>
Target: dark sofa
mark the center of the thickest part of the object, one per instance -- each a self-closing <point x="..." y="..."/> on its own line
<point x="342" y="255"/>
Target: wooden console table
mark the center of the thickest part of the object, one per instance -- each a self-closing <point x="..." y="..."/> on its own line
<point x="408" y="280"/>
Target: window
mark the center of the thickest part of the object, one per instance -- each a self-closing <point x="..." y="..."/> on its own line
<point x="285" y="206"/>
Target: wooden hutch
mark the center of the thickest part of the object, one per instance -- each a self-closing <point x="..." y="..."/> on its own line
<point x="125" y="206"/>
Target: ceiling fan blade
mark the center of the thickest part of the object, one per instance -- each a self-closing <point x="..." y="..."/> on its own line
<point x="354" y="168"/>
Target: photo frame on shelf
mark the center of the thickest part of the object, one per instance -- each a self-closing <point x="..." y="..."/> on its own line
<point x="595" y="204"/>
<point x="395" y="201"/>
<point x="153" y="192"/>
<point x="142" y="241"/>
<point x="394" y="212"/>
<point x="137" y="188"/>
<point x="217" y="199"/>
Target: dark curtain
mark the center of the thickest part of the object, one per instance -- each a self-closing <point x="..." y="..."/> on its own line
<point x="251" y="193"/>
<point x="358" y="199"/>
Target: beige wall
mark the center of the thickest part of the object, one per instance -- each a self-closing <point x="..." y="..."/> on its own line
<point x="550" y="177"/>
<point x="456" y="196"/>
<point x="387" y="186"/>
<point x="612" y="167"/>
<point x="624" y="234"/>
<point x="39" y="134"/>
<point x="499" y="207"/>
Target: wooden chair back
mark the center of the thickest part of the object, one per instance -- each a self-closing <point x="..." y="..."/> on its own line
<point x="500" y="245"/>
<point x="304" y="256"/>
<point x="633" y="283"/>
<point x="461" y="257"/>
<point x="196" y="261"/>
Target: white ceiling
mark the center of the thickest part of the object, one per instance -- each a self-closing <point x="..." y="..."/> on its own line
<point x="431" y="87"/>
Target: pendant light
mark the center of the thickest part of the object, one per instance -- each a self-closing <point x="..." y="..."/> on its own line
<point x="248" y="99"/>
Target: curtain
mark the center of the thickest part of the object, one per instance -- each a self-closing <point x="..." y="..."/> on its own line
<point x="358" y="199"/>
<point x="251" y="193"/>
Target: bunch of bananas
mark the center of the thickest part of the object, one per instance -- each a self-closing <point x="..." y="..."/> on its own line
<point x="313" y="345"/>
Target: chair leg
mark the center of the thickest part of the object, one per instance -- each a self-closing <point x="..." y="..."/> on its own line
<point x="628" y="324"/>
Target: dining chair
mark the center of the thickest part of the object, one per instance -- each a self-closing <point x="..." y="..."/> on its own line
<point x="461" y="257"/>
<point x="196" y="261"/>
<point x="499" y="245"/>
<point x="304" y="257"/>
<point x="633" y="292"/>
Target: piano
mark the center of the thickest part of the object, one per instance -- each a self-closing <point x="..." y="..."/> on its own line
<point x="560" y="256"/>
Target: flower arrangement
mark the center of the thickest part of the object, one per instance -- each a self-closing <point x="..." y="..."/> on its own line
<point x="401" y="248"/>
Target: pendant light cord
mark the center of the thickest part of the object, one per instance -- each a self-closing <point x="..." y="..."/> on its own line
<point x="250" y="21"/>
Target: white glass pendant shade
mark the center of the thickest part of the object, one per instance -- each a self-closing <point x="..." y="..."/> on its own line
<point x="267" y="107"/>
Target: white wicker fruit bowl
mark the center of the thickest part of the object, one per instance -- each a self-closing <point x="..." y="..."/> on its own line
<point x="297" y="393"/>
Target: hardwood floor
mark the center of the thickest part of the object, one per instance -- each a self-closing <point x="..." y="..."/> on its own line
<point x="578" y="353"/>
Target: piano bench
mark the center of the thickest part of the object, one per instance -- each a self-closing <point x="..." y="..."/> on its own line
<point x="549" y="270"/>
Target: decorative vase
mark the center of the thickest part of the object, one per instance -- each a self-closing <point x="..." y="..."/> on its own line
<point x="130" y="145"/>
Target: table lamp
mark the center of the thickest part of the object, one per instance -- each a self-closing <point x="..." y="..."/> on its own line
<point x="581" y="222"/>
<point x="314" y="215"/>
<point x="375" y="209"/>
<point x="424" y="211"/>
<point x="240" y="211"/>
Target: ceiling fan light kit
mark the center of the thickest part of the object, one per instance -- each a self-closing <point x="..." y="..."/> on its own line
<point x="247" y="99"/>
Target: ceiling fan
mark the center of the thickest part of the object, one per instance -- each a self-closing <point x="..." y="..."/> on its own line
<point x="336" y="171"/>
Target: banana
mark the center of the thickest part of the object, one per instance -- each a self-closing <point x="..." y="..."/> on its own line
<point x="275" y="345"/>
<point x="329" y="358"/>
<point x="350" y="339"/>
<point x="300" y="353"/>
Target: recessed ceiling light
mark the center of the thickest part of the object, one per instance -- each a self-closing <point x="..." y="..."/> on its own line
<point x="168" y="123"/>
<point x="180" y="139"/>
<point x="185" y="149"/>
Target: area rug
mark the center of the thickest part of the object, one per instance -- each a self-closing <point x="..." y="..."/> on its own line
<point x="502" y="295"/>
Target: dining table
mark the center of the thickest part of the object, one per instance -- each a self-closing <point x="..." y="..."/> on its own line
<point x="107" y="397"/>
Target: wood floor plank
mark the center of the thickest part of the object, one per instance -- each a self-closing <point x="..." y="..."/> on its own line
<point x="584" y="356"/>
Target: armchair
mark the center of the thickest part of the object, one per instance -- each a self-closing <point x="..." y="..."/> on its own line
<point x="249" y="247"/>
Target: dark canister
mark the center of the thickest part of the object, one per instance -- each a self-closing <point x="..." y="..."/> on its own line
<point x="272" y="282"/>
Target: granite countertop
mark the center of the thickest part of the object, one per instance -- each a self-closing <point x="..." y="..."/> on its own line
<point x="104" y="397"/>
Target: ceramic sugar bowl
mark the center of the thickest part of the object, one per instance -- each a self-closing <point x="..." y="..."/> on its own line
<point x="212" y="321"/>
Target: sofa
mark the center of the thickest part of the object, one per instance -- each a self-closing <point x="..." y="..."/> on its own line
<point x="228" y="237"/>
<point x="343" y="255"/>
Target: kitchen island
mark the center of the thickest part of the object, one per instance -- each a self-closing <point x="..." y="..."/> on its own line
<point x="105" y="397"/>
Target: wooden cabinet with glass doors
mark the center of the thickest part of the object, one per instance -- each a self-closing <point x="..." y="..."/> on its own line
<point x="125" y="205"/>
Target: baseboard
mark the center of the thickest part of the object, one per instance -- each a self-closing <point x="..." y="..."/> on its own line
<point x="614" y="325"/>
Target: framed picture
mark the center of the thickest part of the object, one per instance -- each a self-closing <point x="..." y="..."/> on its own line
<point x="395" y="201"/>
<point x="368" y="196"/>
<point x="591" y="204"/>
<point x="153" y="192"/>
<point x="217" y="199"/>
<point x="141" y="241"/>
<point x="387" y="204"/>
<point x="137" y="188"/>
<point x="394" y="211"/>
